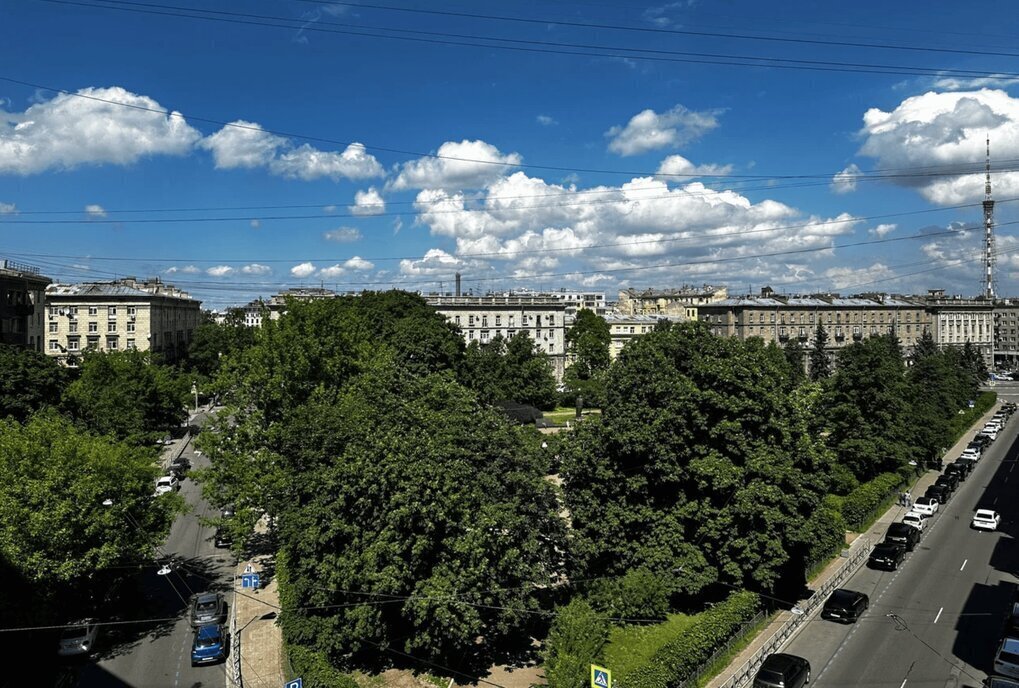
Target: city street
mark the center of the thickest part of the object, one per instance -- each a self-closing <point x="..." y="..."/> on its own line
<point x="937" y="620"/>
<point x="159" y="655"/>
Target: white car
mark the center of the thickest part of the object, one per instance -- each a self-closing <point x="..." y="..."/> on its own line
<point x="990" y="431"/>
<point x="915" y="519"/>
<point x="167" y="483"/>
<point x="925" y="506"/>
<point x="985" y="519"/>
<point x="78" y="638"/>
<point x="970" y="453"/>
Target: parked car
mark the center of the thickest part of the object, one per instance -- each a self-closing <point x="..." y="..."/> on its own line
<point x="1012" y="621"/>
<point x="78" y="638"/>
<point x="986" y="519"/>
<point x="949" y="480"/>
<point x="845" y="605"/>
<point x="179" y="467"/>
<point x="1000" y="682"/>
<point x="915" y="519"/>
<point x="227" y="512"/>
<point x="960" y="467"/>
<point x="210" y="645"/>
<point x="926" y="506"/>
<point x="222" y="539"/>
<point x="990" y="431"/>
<point x="783" y="671"/>
<point x="887" y="555"/>
<point x="1007" y="660"/>
<point x="970" y="453"/>
<point x="982" y="440"/>
<point x="168" y="483"/>
<point x="207" y="608"/>
<point x="938" y="492"/>
<point x="904" y="535"/>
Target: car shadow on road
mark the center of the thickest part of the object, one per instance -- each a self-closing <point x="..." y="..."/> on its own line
<point x="980" y="623"/>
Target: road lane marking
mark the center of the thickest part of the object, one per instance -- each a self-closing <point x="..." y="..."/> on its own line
<point x="963" y="565"/>
<point x="903" y="685"/>
<point x="935" y="621"/>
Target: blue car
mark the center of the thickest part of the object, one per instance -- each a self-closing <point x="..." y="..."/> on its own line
<point x="209" y="645"/>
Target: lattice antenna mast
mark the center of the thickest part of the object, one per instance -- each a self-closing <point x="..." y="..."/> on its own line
<point x="989" y="255"/>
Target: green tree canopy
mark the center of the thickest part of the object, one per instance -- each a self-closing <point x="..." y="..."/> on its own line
<point x="588" y="341"/>
<point x="127" y="395"/>
<point x="29" y="381"/>
<point x="704" y="466"/>
<point x="820" y="359"/>
<point x="513" y="369"/>
<point x="211" y="341"/>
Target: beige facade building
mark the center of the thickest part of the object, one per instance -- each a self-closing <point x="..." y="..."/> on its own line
<point x="482" y="318"/>
<point x="682" y="302"/>
<point x="123" y="314"/>
<point x="780" y="319"/>
<point x="624" y="328"/>
<point x="22" y="298"/>
<point x="956" y="320"/>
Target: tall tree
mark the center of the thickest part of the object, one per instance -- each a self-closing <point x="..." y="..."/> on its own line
<point x="796" y="356"/>
<point x="29" y="381"/>
<point x="588" y="341"/>
<point x="925" y="346"/>
<point x="513" y="369"/>
<point x="974" y="362"/>
<point x="126" y="394"/>
<point x="211" y="341"/>
<point x="820" y="359"/>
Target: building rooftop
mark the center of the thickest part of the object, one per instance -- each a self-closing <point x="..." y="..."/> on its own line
<point x="128" y="286"/>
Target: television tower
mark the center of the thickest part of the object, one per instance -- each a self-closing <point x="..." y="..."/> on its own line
<point x="989" y="257"/>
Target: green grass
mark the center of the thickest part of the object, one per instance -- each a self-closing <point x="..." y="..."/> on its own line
<point x="631" y="646"/>
<point x="719" y="665"/>
<point x="567" y="413"/>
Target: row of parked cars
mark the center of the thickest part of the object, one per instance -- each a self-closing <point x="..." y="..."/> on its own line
<point x="782" y="670"/>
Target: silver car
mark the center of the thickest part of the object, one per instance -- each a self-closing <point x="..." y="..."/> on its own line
<point x="78" y="638"/>
<point x="207" y="608"/>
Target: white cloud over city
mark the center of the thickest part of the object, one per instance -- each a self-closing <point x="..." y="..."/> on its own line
<point x="649" y="130"/>
<point x="456" y="165"/>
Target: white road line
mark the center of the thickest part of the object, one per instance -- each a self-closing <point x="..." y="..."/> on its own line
<point x="903" y="683"/>
<point x="963" y="565"/>
<point x="935" y="621"/>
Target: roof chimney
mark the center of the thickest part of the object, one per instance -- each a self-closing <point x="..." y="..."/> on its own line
<point x="457" y="293"/>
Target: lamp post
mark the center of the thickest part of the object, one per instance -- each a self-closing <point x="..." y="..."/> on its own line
<point x="194" y="390"/>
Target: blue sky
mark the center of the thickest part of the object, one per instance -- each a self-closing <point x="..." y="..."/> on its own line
<point x="270" y="144"/>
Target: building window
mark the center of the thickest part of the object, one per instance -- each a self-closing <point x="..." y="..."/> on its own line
<point x="93" y="310"/>
<point x="72" y="344"/>
<point x="111" y="327"/>
<point x="111" y="343"/>
<point x="457" y="320"/>
<point x="498" y="321"/>
<point x="53" y="328"/>
<point x="111" y="310"/>
<point x="484" y="335"/>
<point x="130" y="327"/>
<point x="511" y="318"/>
<point x="93" y="327"/>
<point x="130" y="344"/>
<point x="72" y="327"/>
<point x="54" y="346"/>
<point x="470" y="321"/>
<point x="131" y="310"/>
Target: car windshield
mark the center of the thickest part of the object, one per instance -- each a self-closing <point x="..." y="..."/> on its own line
<point x="207" y="605"/>
<point x="208" y="642"/>
<point x="769" y="676"/>
<point x="841" y="597"/>
<point x="76" y="632"/>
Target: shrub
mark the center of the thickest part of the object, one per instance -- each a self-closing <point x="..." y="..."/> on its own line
<point x="640" y="594"/>
<point x="679" y="659"/>
<point x="313" y="666"/>
<point x="575" y="640"/>
<point x="825" y="533"/>
<point x="860" y="504"/>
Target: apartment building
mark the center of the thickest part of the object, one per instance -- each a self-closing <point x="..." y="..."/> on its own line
<point x="781" y="318"/>
<point x="682" y="302"/>
<point x="957" y="320"/>
<point x="624" y="328"/>
<point x="482" y="318"/>
<point x="1006" y="333"/>
<point x="22" y="298"/>
<point x="122" y="314"/>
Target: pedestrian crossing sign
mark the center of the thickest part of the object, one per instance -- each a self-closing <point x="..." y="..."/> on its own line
<point x="600" y="677"/>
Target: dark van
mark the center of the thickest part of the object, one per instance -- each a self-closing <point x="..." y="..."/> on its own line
<point x="783" y="671"/>
<point x="903" y="534"/>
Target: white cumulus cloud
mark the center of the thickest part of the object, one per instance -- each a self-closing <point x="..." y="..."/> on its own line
<point x="331" y="272"/>
<point x="883" y="229"/>
<point x="649" y="130"/>
<point x="220" y="270"/>
<point x="460" y="165"/>
<point x="358" y="263"/>
<point x="435" y="262"/>
<point x="256" y="269"/>
<point x="678" y="166"/>
<point x="8" y="209"/>
<point x="71" y="130"/>
<point x="244" y="144"/>
<point x="368" y="202"/>
<point x="343" y="235"/>
<point x="186" y="269"/>
<point x="94" y="210"/>
<point x="942" y="137"/>
<point x="845" y="181"/>
<point x="303" y="270"/>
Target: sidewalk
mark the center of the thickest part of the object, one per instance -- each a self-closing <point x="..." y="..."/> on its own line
<point x="258" y="640"/>
<point x="874" y="535"/>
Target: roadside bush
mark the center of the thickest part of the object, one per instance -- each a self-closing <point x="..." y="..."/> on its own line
<point x="679" y="659"/>
<point x="640" y="594"/>
<point x="575" y="640"/>
<point x="825" y="534"/>
<point x="961" y="422"/>
<point x="315" y="669"/>
<point x="860" y="504"/>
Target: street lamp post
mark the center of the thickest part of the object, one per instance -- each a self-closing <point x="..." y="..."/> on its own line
<point x="194" y="390"/>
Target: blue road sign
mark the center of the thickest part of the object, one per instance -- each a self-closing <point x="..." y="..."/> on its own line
<point x="600" y="677"/>
<point x="250" y="580"/>
<point x="296" y="683"/>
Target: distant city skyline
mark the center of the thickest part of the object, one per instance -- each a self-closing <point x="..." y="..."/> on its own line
<point x="538" y="145"/>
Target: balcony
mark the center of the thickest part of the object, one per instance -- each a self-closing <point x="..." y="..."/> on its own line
<point x="839" y="337"/>
<point x="857" y="336"/>
<point x="783" y="337"/>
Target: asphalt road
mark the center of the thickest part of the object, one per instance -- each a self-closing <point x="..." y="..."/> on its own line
<point x="159" y="655"/>
<point x="947" y="601"/>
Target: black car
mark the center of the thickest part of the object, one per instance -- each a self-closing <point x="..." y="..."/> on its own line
<point x="783" y="671"/>
<point x="180" y="466"/>
<point x="982" y="440"/>
<point x="887" y="555"/>
<point x="222" y="539"/>
<point x="845" y="605"/>
<point x="1000" y="682"/>
<point x="938" y="492"/>
<point x="948" y="480"/>
<point x="961" y="467"/>
<point x="976" y="446"/>
<point x="903" y="534"/>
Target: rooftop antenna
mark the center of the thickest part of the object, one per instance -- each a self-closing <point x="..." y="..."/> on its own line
<point x="989" y="257"/>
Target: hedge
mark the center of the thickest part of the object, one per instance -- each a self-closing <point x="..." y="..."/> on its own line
<point x="963" y="421"/>
<point x="681" y="658"/>
<point x="860" y="504"/>
<point x="574" y="642"/>
<point x="313" y="666"/>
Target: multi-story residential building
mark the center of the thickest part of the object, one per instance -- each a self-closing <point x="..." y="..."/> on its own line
<point x="624" y="328"/>
<point x="254" y="311"/>
<point x="957" y="320"/>
<point x="22" y="298"/>
<point x="482" y="318"/>
<point x="781" y="318"/>
<point x="682" y="302"/>
<point x="122" y="314"/>
<point x="1006" y="333"/>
